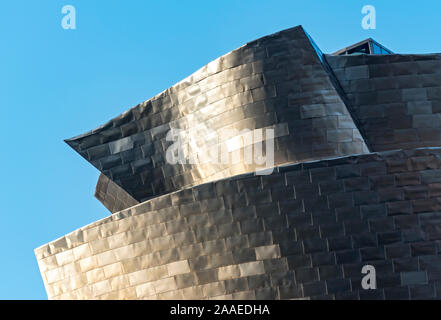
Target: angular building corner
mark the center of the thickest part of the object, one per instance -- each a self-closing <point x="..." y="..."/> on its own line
<point x="356" y="181"/>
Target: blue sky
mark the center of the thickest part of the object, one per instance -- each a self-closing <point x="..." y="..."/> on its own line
<point x="56" y="83"/>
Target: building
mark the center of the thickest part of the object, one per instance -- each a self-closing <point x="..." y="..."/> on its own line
<point x="356" y="181"/>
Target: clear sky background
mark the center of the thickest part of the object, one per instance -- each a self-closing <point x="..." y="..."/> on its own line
<point x="56" y="83"/>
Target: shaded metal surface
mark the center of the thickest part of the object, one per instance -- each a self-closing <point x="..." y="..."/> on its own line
<point x="274" y="82"/>
<point x="112" y="196"/>
<point x="396" y="98"/>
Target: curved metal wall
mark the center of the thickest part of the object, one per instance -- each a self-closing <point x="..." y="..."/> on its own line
<point x="112" y="196"/>
<point x="396" y="98"/>
<point x="274" y="82"/>
<point x="305" y="231"/>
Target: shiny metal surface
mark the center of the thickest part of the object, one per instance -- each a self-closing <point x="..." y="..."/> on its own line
<point x="274" y="82"/>
<point x="302" y="232"/>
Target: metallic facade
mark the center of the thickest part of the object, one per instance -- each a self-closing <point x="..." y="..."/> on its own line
<point x="397" y="98"/>
<point x="275" y="82"/>
<point x="338" y="197"/>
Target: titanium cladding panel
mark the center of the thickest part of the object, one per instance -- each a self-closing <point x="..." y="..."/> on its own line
<point x="214" y="231"/>
<point x="303" y="232"/>
<point x="397" y="98"/>
<point x="275" y="82"/>
<point x="112" y="196"/>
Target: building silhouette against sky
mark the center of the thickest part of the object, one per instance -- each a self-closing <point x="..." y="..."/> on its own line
<point x="356" y="181"/>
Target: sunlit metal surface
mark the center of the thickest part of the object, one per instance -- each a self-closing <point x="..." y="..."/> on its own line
<point x="275" y="82"/>
<point x="205" y="231"/>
